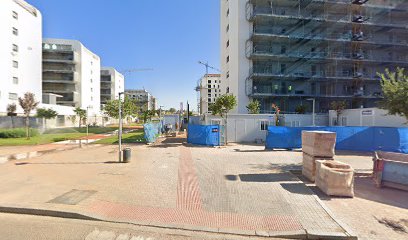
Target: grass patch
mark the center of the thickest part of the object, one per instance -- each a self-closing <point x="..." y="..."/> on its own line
<point x="133" y="137"/>
<point x="94" y="130"/>
<point x="17" y="132"/>
<point x="40" y="139"/>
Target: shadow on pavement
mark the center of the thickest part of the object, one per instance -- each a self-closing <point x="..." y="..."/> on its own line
<point x="297" y="188"/>
<point x="270" y="177"/>
<point x="274" y="166"/>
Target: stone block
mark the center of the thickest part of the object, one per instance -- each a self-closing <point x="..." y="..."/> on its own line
<point x="335" y="178"/>
<point x="309" y="165"/>
<point x="318" y="143"/>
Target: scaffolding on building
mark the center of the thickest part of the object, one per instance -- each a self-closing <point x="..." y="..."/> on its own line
<point x="324" y="49"/>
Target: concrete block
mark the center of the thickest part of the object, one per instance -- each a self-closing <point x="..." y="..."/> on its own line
<point x="318" y="143"/>
<point x="335" y="178"/>
<point x="309" y="165"/>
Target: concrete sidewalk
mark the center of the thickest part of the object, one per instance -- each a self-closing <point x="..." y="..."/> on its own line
<point x="241" y="190"/>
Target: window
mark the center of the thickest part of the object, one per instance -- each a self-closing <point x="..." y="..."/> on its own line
<point x="283" y="68"/>
<point x="227" y="59"/>
<point x="314" y="70"/>
<point x="15" y="48"/>
<point x="227" y="12"/>
<point x="228" y="74"/>
<point x="15" y="80"/>
<point x="209" y="90"/>
<point x="209" y="95"/>
<point x="264" y="125"/>
<point x="283" y="49"/>
<point x="228" y="43"/>
<point x="15" y="64"/>
<point x="91" y="89"/>
<point x="15" y="31"/>
<point x="13" y="96"/>
<point x="228" y="28"/>
<point x="15" y="15"/>
<point x="209" y="100"/>
<point x="209" y="81"/>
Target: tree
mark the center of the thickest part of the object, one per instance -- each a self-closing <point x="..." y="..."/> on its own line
<point x="46" y="114"/>
<point x="301" y="109"/>
<point x="11" y="109"/>
<point x="81" y="113"/>
<point x="339" y="107"/>
<point x="28" y="104"/>
<point x="128" y="107"/>
<point x="254" y="107"/>
<point x="172" y="110"/>
<point x="147" y="115"/>
<point x="277" y="113"/>
<point x="222" y="106"/>
<point x="395" y="90"/>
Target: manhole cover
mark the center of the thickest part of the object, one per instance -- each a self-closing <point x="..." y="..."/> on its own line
<point x="73" y="197"/>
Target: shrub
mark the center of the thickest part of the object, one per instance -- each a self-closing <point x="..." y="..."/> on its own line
<point x="17" y="133"/>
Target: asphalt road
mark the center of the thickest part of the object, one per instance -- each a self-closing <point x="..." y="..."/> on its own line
<point x="27" y="227"/>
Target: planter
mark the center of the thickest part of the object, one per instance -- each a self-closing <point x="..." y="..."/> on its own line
<point x="335" y="178"/>
<point x="309" y="165"/>
<point x="318" y="143"/>
<point x="391" y="170"/>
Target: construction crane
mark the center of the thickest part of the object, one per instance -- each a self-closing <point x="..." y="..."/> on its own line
<point x="133" y="70"/>
<point x="199" y="86"/>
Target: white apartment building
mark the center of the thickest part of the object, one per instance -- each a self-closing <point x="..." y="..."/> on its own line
<point x="210" y="90"/>
<point x="73" y="72"/>
<point x="112" y="83"/>
<point x="20" y="51"/>
<point x="143" y="97"/>
<point x="235" y="31"/>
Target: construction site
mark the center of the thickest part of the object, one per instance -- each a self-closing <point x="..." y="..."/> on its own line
<point x="323" y="50"/>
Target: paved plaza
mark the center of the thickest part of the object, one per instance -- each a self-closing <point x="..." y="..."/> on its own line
<point x="238" y="189"/>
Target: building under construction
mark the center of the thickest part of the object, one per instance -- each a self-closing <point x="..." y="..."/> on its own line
<point x="289" y="52"/>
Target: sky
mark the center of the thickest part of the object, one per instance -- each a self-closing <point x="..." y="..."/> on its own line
<point x="168" y="36"/>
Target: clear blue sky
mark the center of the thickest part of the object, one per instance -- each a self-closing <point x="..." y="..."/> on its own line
<point x="168" y="36"/>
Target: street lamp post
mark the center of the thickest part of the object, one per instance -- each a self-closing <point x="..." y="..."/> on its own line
<point x="87" y="124"/>
<point x="120" y="127"/>
<point x="314" y="115"/>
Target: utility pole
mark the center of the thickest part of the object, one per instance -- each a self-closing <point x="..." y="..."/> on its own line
<point x="120" y="127"/>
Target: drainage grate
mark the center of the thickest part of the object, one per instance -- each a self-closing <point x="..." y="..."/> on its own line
<point x="73" y="197"/>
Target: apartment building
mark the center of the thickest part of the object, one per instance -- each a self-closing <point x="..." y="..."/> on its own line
<point x="143" y="97"/>
<point x="112" y="83"/>
<point x="289" y="52"/>
<point x="73" y="73"/>
<point x="210" y="90"/>
<point x="20" y="51"/>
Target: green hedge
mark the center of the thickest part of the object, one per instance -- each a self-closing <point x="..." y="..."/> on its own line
<point x="17" y="133"/>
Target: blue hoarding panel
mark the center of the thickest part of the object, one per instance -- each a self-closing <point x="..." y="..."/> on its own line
<point x="207" y="135"/>
<point x="151" y="131"/>
<point x="348" y="138"/>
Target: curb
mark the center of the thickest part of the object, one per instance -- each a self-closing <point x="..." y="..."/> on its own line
<point x="71" y="215"/>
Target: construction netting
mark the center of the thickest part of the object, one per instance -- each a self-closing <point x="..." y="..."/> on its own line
<point x="152" y="131"/>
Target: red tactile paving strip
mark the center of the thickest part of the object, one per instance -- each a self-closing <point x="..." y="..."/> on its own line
<point x="200" y="218"/>
<point x="188" y="191"/>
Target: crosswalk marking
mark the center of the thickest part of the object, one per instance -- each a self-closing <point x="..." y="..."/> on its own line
<point x="110" y="235"/>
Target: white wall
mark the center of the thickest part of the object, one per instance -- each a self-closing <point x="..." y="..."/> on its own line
<point x="238" y="65"/>
<point x="29" y="55"/>
<point x="247" y="127"/>
<point x="368" y="117"/>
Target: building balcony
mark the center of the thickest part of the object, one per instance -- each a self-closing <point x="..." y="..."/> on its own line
<point x="299" y="75"/>
<point x="60" y="57"/>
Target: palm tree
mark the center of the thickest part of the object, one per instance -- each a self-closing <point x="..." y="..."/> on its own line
<point x="81" y="113"/>
<point x="28" y="104"/>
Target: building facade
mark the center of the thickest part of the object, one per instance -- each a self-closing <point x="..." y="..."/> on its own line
<point x="210" y="90"/>
<point x="20" y="51"/>
<point x="142" y="97"/>
<point x="72" y="71"/>
<point x="112" y="83"/>
<point x="290" y="52"/>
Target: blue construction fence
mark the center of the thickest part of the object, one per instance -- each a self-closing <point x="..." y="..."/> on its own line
<point x="152" y="131"/>
<point x="207" y="135"/>
<point x="348" y="138"/>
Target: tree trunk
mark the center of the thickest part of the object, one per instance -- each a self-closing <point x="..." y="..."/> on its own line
<point x="226" y="131"/>
<point x="79" y="124"/>
<point x="28" y="127"/>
